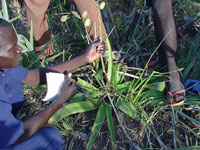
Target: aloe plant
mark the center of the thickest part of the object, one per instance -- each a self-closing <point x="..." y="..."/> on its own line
<point x="142" y="99"/>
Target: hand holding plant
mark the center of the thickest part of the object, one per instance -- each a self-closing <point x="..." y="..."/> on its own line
<point x="94" y="50"/>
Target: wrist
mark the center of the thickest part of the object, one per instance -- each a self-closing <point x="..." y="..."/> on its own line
<point x="58" y="103"/>
<point x="84" y="59"/>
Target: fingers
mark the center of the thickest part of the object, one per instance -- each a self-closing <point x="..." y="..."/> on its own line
<point x="100" y="39"/>
<point x="97" y="40"/>
<point x="101" y="48"/>
<point x="71" y="82"/>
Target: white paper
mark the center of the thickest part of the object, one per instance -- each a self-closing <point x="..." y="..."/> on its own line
<point x="54" y="83"/>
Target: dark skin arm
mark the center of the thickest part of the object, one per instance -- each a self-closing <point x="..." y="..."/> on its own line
<point x="92" y="52"/>
<point x="37" y="121"/>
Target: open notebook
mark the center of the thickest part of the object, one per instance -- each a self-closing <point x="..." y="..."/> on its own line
<point x="54" y="83"/>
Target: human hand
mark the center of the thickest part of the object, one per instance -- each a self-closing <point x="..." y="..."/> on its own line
<point x="67" y="90"/>
<point x="94" y="50"/>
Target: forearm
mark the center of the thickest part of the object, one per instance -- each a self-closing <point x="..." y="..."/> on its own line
<point x="38" y="76"/>
<point x="91" y="53"/>
<point x="70" y="65"/>
<point x="39" y="120"/>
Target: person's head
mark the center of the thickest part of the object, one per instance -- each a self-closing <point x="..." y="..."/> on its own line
<point x="10" y="52"/>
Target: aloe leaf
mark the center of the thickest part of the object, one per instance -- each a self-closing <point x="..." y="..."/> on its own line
<point x="124" y="87"/>
<point x="97" y="125"/>
<point x="110" y="125"/>
<point x="110" y="60"/>
<point x="128" y="108"/>
<point x="98" y="75"/>
<point x="94" y="92"/>
<point x="86" y="86"/>
<point x="152" y="94"/>
<point x="115" y="74"/>
<point x="157" y="86"/>
<point x="74" y="108"/>
<point x="77" y="98"/>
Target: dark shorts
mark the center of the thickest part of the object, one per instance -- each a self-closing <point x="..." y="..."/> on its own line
<point x="45" y="139"/>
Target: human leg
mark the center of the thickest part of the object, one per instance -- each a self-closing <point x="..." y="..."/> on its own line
<point x="46" y="138"/>
<point x="36" y="13"/>
<point x="164" y="24"/>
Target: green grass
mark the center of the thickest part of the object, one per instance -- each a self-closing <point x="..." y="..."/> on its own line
<point x="133" y="111"/>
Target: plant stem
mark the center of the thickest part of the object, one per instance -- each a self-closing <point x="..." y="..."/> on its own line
<point x="105" y="73"/>
<point x="132" y="146"/>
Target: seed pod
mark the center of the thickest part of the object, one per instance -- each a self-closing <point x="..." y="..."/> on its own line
<point x="139" y="3"/>
<point x="87" y="22"/>
<point x="64" y="18"/>
<point x="84" y="14"/>
<point x="102" y="5"/>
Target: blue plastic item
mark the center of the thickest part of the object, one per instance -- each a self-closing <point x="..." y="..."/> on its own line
<point x="192" y="86"/>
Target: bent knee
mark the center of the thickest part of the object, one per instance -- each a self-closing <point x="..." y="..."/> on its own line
<point x="52" y="134"/>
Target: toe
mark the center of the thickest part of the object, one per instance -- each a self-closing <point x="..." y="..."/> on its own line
<point x="179" y="97"/>
<point x="169" y="98"/>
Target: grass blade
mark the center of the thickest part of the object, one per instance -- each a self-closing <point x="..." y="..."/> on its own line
<point x="97" y="125"/>
<point x="156" y="86"/>
<point x="110" y="125"/>
<point x="188" y="69"/>
<point x="186" y="116"/>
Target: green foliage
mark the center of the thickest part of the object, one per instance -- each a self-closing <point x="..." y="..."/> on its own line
<point x="74" y="108"/>
<point x="97" y="124"/>
<point x="143" y="99"/>
<point x="110" y="125"/>
<point x="192" y="58"/>
<point x="30" y="59"/>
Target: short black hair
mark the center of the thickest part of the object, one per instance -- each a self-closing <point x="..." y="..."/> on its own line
<point x="4" y="23"/>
